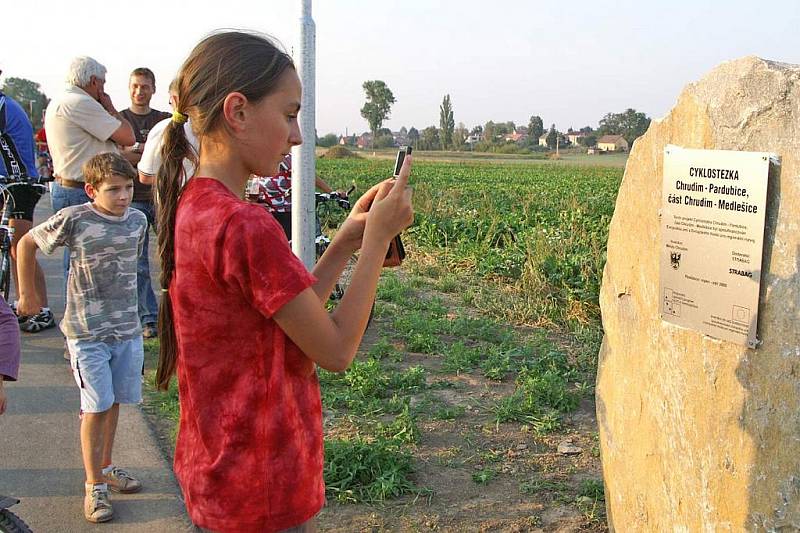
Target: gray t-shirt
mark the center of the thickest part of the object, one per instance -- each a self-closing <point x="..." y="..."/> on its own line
<point x="101" y="289"/>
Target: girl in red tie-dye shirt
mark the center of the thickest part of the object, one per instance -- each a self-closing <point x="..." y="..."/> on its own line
<point x="243" y="323"/>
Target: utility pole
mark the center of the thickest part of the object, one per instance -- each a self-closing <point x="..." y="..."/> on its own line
<point x="303" y="156"/>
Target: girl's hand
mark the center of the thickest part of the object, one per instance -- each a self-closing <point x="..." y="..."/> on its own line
<point x="351" y="232"/>
<point x="391" y="211"/>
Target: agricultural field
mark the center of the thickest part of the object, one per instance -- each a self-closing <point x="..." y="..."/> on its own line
<point x="470" y="406"/>
<point x="567" y="157"/>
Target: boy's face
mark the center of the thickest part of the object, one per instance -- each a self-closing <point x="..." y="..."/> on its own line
<point x="113" y="196"/>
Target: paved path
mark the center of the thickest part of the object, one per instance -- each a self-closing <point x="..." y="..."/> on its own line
<point x="40" y="460"/>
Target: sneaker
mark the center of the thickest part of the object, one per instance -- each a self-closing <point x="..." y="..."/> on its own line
<point x="38" y="322"/>
<point x="20" y="319"/>
<point x="120" y="480"/>
<point x="150" y="331"/>
<point x="96" y="505"/>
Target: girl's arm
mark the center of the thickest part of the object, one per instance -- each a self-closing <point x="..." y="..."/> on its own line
<point x="331" y="340"/>
<point x="29" y="300"/>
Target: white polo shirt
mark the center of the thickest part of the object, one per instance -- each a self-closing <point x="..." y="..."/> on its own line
<point x="78" y="128"/>
<point x="151" y="155"/>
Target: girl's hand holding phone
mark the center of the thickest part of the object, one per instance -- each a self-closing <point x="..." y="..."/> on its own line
<point x="391" y="211"/>
<point x="351" y="232"/>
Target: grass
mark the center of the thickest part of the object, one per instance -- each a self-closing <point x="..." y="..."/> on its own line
<point x="525" y="243"/>
<point x="358" y="470"/>
<point x="484" y="476"/>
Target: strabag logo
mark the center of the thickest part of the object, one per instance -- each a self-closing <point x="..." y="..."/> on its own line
<point x="745" y="273"/>
<point x="675" y="260"/>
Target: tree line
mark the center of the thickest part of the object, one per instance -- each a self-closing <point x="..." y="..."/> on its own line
<point x="491" y="136"/>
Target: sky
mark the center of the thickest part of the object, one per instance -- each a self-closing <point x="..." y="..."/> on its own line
<point x="570" y="62"/>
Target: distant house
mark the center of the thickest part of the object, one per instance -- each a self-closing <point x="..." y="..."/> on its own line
<point x="561" y="139"/>
<point x="612" y="143"/>
<point x="364" y="141"/>
<point x="349" y="140"/>
<point x="400" y="139"/>
<point x="472" y="139"/>
<point x="543" y="139"/>
<point x="574" y="137"/>
<point x="516" y="136"/>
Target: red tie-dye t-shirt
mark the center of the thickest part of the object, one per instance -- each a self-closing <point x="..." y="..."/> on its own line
<point x="249" y="451"/>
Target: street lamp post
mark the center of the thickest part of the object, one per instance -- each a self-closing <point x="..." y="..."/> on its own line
<point x="303" y="156"/>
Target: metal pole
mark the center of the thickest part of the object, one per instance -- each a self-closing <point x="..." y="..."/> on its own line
<point x="303" y="157"/>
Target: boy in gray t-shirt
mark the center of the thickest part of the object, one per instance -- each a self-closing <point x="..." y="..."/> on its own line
<point x="101" y="320"/>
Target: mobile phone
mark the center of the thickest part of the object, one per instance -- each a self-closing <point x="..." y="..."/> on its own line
<point x="401" y="156"/>
<point x="395" y="254"/>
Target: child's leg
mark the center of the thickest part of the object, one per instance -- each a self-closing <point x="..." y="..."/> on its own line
<point x="91" y="367"/>
<point x="127" y="358"/>
<point x="109" y="431"/>
<point x="93" y="431"/>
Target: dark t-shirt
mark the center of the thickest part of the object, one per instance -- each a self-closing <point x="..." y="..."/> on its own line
<point x="142" y="124"/>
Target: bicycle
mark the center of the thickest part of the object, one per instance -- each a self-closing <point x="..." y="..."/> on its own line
<point x="6" y="230"/>
<point x="328" y="210"/>
<point x="326" y="218"/>
<point x="10" y="522"/>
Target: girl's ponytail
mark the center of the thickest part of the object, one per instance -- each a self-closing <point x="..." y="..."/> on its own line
<point x="222" y="63"/>
<point x="169" y="182"/>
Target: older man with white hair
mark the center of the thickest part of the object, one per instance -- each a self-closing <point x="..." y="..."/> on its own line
<point x="80" y="123"/>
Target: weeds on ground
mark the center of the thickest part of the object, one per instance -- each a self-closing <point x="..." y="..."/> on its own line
<point x="165" y="403"/>
<point x="591" y="500"/>
<point x="360" y="470"/>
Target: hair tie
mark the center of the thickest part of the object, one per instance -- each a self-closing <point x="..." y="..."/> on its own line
<point x="179" y="117"/>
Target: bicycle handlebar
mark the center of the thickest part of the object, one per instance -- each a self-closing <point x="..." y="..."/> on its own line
<point x="9" y="180"/>
<point x="322" y="197"/>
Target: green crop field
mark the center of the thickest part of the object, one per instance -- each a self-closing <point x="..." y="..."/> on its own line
<point x="480" y="359"/>
<point x="535" y="233"/>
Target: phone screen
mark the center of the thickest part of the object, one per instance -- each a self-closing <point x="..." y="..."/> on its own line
<point x="401" y="155"/>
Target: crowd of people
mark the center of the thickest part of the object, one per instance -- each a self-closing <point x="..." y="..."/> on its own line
<point x="249" y="395"/>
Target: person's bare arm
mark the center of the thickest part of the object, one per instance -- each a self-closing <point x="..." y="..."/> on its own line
<point x="146" y="179"/>
<point x="331" y="340"/>
<point x="131" y="155"/>
<point x="123" y="135"/>
<point x="322" y="185"/>
<point x="29" y="300"/>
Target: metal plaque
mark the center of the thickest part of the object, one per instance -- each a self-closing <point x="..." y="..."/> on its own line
<point x="712" y="229"/>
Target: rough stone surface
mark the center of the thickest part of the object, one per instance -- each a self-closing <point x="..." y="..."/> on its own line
<point x="698" y="434"/>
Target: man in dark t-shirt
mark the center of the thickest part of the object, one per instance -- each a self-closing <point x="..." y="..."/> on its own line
<point x="142" y="86"/>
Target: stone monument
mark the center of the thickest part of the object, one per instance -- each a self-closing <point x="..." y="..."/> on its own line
<point x="699" y="434"/>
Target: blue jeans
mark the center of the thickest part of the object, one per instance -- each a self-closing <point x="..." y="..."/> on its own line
<point x="61" y="197"/>
<point x="148" y="305"/>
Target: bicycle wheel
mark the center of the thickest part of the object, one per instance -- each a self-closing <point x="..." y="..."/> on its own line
<point x="344" y="281"/>
<point x="11" y="523"/>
